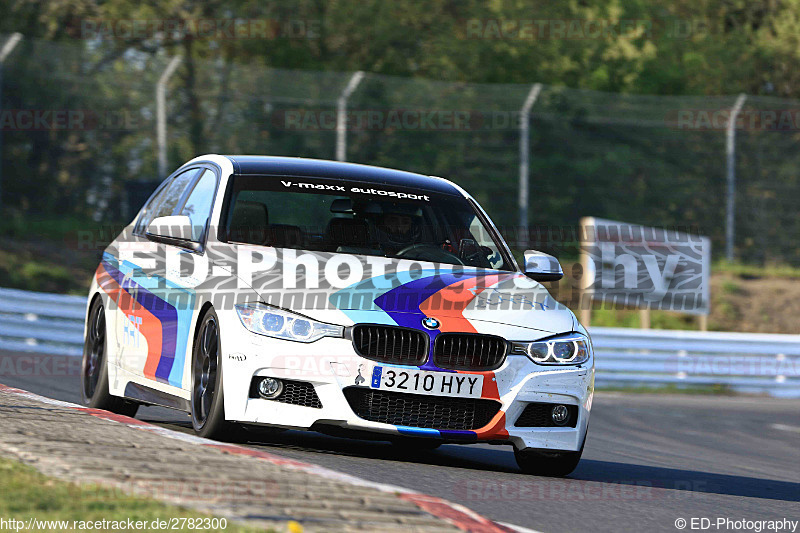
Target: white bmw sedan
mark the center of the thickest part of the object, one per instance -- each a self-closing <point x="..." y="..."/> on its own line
<point x="308" y="294"/>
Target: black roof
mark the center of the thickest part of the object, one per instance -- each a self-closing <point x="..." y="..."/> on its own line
<point x="319" y="168"/>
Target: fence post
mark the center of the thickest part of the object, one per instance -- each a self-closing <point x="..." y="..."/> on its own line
<point x="161" y="115"/>
<point x="730" y="158"/>
<point x="341" y="115"/>
<point x="7" y="48"/>
<point x="524" y="164"/>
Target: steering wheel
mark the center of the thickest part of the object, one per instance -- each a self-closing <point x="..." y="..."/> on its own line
<point x="473" y="258"/>
<point x="429" y="252"/>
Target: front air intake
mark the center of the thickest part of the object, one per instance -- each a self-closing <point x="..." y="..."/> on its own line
<point x="469" y="351"/>
<point x="421" y="411"/>
<point x="389" y="344"/>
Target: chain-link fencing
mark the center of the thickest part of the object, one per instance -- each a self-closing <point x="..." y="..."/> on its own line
<point x="79" y="138"/>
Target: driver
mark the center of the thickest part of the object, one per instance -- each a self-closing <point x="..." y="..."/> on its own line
<point x="399" y="226"/>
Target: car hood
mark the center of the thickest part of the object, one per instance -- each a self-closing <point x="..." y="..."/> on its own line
<point x="406" y="293"/>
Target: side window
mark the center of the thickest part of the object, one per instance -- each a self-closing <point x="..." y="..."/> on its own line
<point x="198" y="205"/>
<point x="483" y="238"/>
<point x="164" y="203"/>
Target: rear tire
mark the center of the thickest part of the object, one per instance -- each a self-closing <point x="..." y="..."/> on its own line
<point x="94" y="367"/>
<point x="207" y="402"/>
<point x="545" y="463"/>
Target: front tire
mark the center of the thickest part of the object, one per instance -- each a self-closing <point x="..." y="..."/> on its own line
<point x="207" y="403"/>
<point x="545" y="463"/>
<point x="94" y="367"/>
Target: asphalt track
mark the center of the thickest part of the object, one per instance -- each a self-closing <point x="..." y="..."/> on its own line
<point x="649" y="459"/>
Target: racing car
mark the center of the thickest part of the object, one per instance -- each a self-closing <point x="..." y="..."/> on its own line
<point x="316" y="295"/>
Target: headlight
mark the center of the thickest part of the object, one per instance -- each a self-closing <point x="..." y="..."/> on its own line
<point x="569" y="349"/>
<point x="273" y="322"/>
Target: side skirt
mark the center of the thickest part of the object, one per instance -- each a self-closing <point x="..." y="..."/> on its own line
<point x="142" y="394"/>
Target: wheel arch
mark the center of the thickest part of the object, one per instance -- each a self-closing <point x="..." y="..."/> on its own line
<point x="93" y="297"/>
<point x="190" y="346"/>
<point x="202" y="313"/>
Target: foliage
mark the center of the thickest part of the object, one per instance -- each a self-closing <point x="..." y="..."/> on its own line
<point x="616" y="156"/>
<point x="683" y="47"/>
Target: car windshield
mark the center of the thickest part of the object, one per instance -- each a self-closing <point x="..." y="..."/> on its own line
<point x="334" y="215"/>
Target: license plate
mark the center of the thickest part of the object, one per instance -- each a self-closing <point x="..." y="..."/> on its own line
<point x="424" y="382"/>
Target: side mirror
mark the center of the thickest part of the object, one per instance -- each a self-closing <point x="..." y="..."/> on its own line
<point x="176" y="230"/>
<point x="540" y="266"/>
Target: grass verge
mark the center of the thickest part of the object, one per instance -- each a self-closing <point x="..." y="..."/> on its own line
<point x="26" y="493"/>
<point x="756" y="271"/>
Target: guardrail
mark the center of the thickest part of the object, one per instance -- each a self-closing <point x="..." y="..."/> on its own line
<point x="746" y="362"/>
<point x="41" y="322"/>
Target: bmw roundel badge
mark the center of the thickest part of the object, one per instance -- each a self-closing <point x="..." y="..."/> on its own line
<point x="430" y="323"/>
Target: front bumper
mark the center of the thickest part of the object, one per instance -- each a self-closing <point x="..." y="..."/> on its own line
<point x="331" y="365"/>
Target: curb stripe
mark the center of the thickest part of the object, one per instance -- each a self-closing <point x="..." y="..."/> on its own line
<point x="461" y="517"/>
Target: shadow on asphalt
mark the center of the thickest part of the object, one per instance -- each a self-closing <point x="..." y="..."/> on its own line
<point x="691" y="481"/>
<point x="642" y="478"/>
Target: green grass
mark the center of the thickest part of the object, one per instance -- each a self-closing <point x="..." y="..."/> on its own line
<point x="44" y="253"/>
<point x="15" y="225"/>
<point x="631" y="318"/>
<point x="23" y="269"/>
<point x="755" y="271"/>
<point x="731" y="287"/>
<point x="26" y="493"/>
